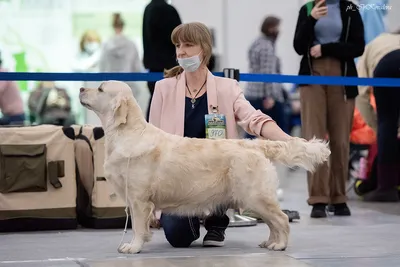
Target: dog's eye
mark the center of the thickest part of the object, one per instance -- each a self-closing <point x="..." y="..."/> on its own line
<point x="100" y="90"/>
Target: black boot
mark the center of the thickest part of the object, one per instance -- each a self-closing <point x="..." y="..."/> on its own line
<point x="318" y="211"/>
<point x="341" y="209"/>
<point x="387" y="184"/>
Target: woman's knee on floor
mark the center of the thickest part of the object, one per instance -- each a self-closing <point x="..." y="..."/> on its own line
<point x="180" y="232"/>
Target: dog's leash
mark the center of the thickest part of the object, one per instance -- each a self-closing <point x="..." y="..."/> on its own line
<point x="126" y="205"/>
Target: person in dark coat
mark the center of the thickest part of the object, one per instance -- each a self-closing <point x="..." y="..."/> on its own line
<point x="159" y="20"/>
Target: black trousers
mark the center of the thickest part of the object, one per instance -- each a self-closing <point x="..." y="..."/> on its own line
<point x="151" y="86"/>
<point x="182" y="231"/>
<point x="388" y="114"/>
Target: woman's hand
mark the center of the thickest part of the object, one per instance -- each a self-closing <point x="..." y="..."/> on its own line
<point x="315" y="51"/>
<point x="319" y="11"/>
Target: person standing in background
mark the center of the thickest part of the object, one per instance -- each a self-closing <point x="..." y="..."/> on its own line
<point x="89" y="52"/>
<point x="159" y="20"/>
<point x="120" y="54"/>
<point x="11" y="104"/>
<point x="373" y="13"/>
<point x="268" y="97"/>
<point x="87" y="60"/>
<point x="329" y="35"/>
<point x="381" y="59"/>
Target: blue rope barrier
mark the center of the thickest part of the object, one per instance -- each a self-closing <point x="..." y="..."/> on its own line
<point x="245" y="77"/>
<point x="60" y="76"/>
<point x="326" y="80"/>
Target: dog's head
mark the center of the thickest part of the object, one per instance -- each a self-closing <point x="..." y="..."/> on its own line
<point x="110" y="100"/>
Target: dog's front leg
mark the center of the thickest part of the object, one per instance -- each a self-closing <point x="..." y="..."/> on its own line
<point x="141" y="213"/>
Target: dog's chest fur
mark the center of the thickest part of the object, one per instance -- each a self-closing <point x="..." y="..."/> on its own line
<point x="124" y="168"/>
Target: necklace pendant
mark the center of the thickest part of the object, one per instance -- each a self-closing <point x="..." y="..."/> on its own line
<point x="193" y="101"/>
<point x="192" y="106"/>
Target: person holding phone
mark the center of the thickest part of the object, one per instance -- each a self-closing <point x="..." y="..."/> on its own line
<point x="329" y="35"/>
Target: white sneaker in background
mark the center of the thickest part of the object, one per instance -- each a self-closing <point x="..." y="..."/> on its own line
<point x="279" y="193"/>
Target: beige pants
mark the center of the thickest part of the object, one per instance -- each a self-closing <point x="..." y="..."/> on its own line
<point x="326" y="112"/>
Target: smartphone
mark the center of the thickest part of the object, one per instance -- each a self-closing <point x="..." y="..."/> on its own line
<point x="323" y="4"/>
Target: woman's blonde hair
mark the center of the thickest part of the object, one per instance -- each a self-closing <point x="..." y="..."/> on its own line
<point x="195" y="33"/>
<point x="89" y="34"/>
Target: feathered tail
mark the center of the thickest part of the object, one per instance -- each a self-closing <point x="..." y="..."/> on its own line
<point x="296" y="152"/>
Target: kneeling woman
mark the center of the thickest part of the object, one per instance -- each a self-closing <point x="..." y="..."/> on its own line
<point x="179" y="106"/>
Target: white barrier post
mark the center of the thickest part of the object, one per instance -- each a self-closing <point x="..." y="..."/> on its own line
<point x="235" y="219"/>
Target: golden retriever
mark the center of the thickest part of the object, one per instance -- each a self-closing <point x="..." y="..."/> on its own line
<point x="189" y="176"/>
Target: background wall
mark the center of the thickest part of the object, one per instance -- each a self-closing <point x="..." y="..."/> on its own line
<point x="393" y="19"/>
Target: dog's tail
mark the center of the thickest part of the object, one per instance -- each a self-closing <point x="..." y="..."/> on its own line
<point x="297" y="152"/>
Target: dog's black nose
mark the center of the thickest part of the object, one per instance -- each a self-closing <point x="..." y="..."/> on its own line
<point x="82" y="89"/>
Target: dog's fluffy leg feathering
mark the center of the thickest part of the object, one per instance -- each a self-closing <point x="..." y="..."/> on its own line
<point x="297" y="152"/>
<point x="141" y="216"/>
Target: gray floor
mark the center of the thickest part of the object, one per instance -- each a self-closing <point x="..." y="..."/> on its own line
<point x="371" y="237"/>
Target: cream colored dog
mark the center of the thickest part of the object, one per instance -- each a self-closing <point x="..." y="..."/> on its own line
<point x="188" y="176"/>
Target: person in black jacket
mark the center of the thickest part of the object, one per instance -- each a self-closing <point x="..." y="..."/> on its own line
<point x="159" y="20"/>
<point x="329" y="36"/>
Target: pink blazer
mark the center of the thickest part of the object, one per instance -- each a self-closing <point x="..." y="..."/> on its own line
<point x="167" y="110"/>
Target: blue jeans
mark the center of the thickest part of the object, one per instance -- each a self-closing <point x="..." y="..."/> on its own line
<point x="12" y="120"/>
<point x="182" y="231"/>
<point x="277" y="113"/>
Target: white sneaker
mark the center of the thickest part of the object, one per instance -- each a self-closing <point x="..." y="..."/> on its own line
<point x="279" y="193"/>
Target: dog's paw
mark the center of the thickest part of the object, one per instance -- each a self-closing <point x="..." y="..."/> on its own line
<point x="273" y="246"/>
<point x="128" y="248"/>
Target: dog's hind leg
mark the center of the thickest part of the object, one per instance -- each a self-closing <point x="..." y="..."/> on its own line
<point x="260" y="197"/>
<point x="141" y="215"/>
<point x="276" y="220"/>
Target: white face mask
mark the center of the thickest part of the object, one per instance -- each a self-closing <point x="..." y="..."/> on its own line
<point x="91" y="47"/>
<point x="190" y="64"/>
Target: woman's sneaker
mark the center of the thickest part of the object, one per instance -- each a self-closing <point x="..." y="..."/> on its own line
<point x="214" y="238"/>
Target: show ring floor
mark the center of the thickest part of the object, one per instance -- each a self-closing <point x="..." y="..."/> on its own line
<point x="370" y="237"/>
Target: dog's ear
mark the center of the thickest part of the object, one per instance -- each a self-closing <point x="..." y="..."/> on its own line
<point x="120" y="109"/>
